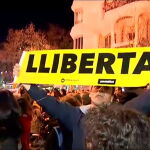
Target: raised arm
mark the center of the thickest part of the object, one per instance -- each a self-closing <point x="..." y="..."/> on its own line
<point x="65" y="113"/>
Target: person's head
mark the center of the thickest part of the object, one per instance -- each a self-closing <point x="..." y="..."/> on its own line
<point x="71" y="99"/>
<point x="101" y="94"/>
<point x="118" y="91"/>
<point x="63" y="92"/>
<point x="17" y="93"/>
<point x="22" y="92"/>
<point x="55" y="92"/>
<point x="77" y="97"/>
<point x="19" y="90"/>
<point x="116" y="128"/>
<point x="8" y="104"/>
<point x="25" y="105"/>
<point x="86" y="100"/>
<point x="10" y="126"/>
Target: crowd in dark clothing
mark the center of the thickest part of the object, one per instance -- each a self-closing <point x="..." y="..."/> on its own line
<point x="36" y="112"/>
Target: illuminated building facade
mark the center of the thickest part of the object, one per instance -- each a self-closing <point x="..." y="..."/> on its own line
<point x="111" y="23"/>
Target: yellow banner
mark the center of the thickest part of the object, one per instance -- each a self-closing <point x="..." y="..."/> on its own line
<point x="126" y="67"/>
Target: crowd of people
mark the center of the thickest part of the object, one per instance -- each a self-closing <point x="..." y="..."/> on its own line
<point x="102" y="118"/>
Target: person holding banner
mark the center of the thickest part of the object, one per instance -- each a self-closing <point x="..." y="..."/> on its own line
<point x="70" y="117"/>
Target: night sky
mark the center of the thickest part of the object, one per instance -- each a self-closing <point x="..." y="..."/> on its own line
<point x="17" y="15"/>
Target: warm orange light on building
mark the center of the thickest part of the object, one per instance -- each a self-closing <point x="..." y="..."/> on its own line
<point x="110" y="23"/>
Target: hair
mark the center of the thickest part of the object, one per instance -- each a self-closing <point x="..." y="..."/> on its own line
<point x="25" y="101"/>
<point x="57" y="94"/>
<point x="9" y="116"/>
<point x="77" y="97"/>
<point x="26" y="107"/>
<point x="119" y="88"/>
<point x="22" y="90"/>
<point x="127" y="96"/>
<point x="105" y="89"/>
<point x="115" y="127"/>
<point x="8" y="104"/>
<point x="63" y="92"/>
<point x="85" y="98"/>
<point x="71" y="100"/>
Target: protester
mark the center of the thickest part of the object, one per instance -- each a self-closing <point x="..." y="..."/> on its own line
<point x="25" y="103"/>
<point x="70" y="117"/>
<point x="86" y="100"/>
<point x="63" y="92"/>
<point x="25" y="120"/>
<point x="118" y="94"/>
<point x="118" y="91"/>
<point x="71" y="99"/>
<point x="116" y="128"/>
<point x="10" y="127"/>
<point x="55" y="92"/>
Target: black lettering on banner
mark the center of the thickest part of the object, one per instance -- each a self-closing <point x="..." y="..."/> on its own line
<point x="126" y="61"/>
<point x="55" y="63"/>
<point x="141" y="64"/>
<point x="30" y="67"/>
<point x="85" y="63"/>
<point x="68" y="60"/>
<point x="107" y="65"/>
<point x="42" y="68"/>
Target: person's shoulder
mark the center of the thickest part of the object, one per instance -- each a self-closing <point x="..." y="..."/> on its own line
<point x="140" y="103"/>
<point x="145" y="96"/>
